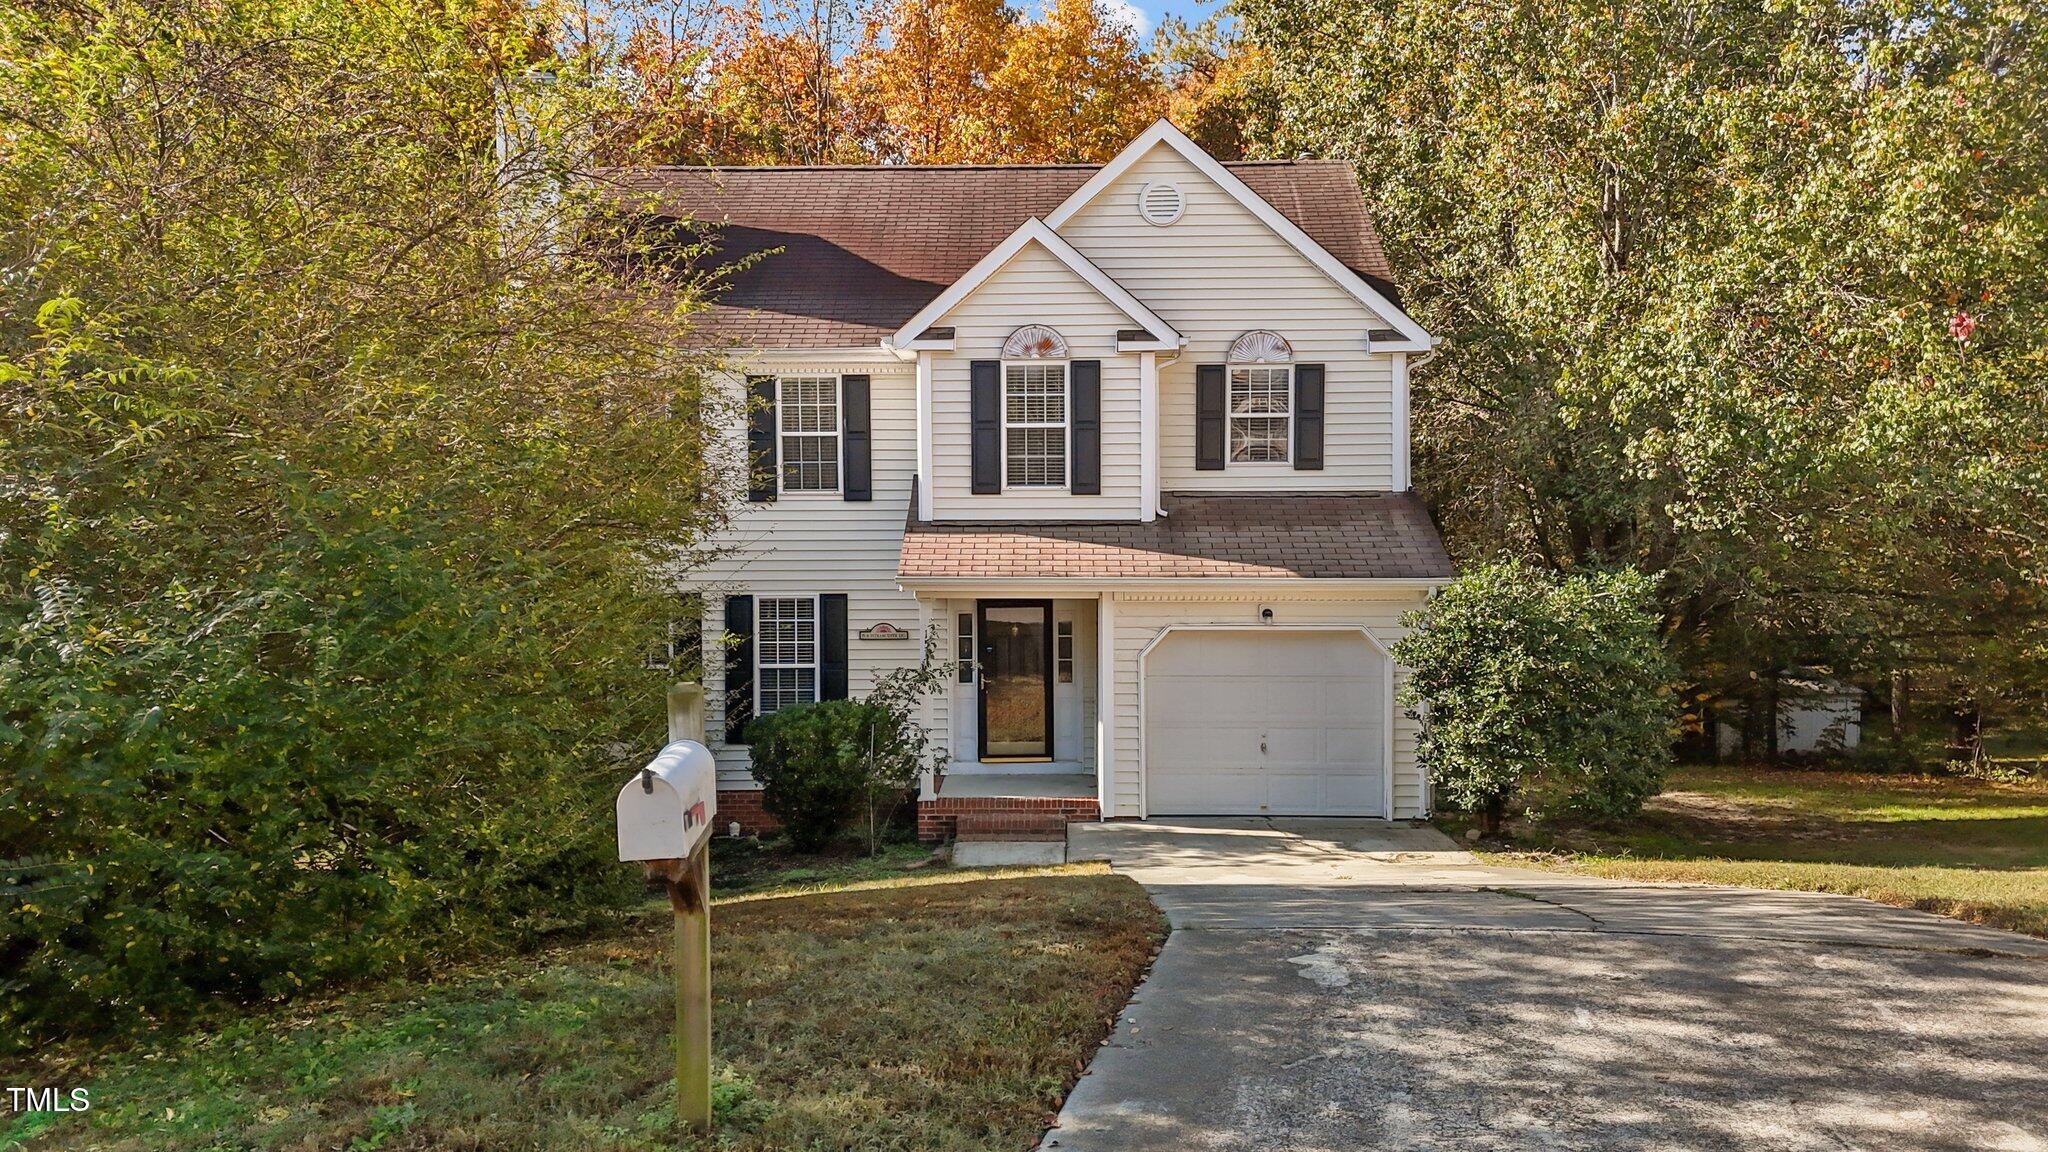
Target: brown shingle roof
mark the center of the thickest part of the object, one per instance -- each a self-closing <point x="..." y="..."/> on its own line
<point x="865" y="247"/>
<point x="1328" y="536"/>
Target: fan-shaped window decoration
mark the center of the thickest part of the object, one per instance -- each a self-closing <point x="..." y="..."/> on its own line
<point x="1034" y="342"/>
<point x="1261" y="347"/>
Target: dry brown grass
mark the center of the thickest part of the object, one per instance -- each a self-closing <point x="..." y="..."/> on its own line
<point x="943" y="1011"/>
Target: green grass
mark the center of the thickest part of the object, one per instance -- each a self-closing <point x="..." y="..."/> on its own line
<point x="1973" y="849"/>
<point x="925" y="1010"/>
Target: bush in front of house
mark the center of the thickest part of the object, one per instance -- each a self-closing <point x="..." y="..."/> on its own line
<point x="813" y="763"/>
<point x="823" y="765"/>
<point x="1541" y="693"/>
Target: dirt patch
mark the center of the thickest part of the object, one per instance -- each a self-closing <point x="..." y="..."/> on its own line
<point x="1723" y="818"/>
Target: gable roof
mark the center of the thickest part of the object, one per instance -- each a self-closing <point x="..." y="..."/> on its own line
<point x="1258" y="536"/>
<point x="1162" y="134"/>
<point x="1034" y="231"/>
<point x="864" y="248"/>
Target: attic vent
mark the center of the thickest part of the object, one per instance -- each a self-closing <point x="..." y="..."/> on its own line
<point x="1161" y="204"/>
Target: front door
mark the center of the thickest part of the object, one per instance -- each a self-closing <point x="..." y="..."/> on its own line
<point x="1016" y="679"/>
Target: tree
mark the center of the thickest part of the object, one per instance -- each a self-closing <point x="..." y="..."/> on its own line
<point x="1073" y="87"/>
<point x="1540" y="693"/>
<point x="334" y="451"/>
<point x="1749" y="296"/>
<point x="779" y="87"/>
<point x="922" y="77"/>
<point x="1217" y="84"/>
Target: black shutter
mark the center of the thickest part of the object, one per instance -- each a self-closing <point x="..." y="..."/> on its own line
<point x="858" y="449"/>
<point x="1211" y="425"/>
<point x="1084" y="399"/>
<point x="1308" y="417"/>
<point x="739" y="668"/>
<point x="832" y="646"/>
<point x="761" y="439"/>
<point x="985" y="400"/>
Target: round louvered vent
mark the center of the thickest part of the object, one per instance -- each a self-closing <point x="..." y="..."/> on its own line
<point x="1161" y="204"/>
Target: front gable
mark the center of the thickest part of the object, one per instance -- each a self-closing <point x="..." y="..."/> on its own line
<point x="1035" y="287"/>
<point x="1222" y="238"/>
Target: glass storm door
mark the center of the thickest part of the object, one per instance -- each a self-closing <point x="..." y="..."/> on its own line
<point x="1016" y="679"/>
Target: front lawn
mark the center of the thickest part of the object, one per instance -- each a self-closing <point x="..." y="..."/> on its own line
<point x="935" y="1011"/>
<point x="1971" y="849"/>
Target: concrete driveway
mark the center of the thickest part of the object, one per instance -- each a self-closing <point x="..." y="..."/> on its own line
<point x="1348" y="985"/>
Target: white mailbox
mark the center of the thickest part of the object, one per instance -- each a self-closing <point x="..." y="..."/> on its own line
<point x="666" y="809"/>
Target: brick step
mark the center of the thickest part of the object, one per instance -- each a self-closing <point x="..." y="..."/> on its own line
<point x="1013" y="825"/>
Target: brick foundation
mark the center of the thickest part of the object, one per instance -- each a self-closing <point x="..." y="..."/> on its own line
<point x="744" y="805"/>
<point x="938" y="819"/>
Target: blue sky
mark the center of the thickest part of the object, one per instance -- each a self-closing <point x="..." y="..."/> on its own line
<point x="1147" y="13"/>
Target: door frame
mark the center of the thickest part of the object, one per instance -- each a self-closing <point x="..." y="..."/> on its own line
<point x="1387" y="699"/>
<point x="981" y="608"/>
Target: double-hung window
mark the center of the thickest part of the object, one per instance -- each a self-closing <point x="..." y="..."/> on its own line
<point x="785" y="652"/>
<point x="1261" y="414"/>
<point x="808" y="414"/>
<point x="1035" y="425"/>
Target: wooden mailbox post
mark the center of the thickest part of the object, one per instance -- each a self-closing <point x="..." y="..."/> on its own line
<point x="665" y="813"/>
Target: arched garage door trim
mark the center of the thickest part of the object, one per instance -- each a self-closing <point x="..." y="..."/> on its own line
<point x="1387" y="727"/>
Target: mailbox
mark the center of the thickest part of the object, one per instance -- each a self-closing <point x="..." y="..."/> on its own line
<point x="666" y="809"/>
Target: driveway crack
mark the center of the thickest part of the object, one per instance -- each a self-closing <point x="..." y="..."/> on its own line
<point x="1524" y="894"/>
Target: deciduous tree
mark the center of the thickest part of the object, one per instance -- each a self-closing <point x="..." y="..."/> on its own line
<point x="1752" y="296"/>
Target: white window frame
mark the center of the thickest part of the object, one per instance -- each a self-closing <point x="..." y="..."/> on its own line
<point x="762" y="666"/>
<point x="1065" y="425"/>
<point x="837" y="436"/>
<point x="1231" y="415"/>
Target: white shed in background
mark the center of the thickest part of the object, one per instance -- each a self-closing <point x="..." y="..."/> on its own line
<point x="1814" y="715"/>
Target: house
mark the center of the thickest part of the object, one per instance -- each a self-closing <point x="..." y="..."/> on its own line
<point x="1132" y="438"/>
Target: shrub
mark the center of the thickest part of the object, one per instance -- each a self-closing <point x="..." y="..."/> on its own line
<point x="327" y="489"/>
<point x="820" y="764"/>
<point x="811" y="760"/>
<point x="1542" y="692"/>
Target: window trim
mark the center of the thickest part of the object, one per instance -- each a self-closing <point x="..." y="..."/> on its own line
<point x="1231" y="416"/>
<point x="1066" y="424"/>
<point x="838" y="435"/>
<point x="817" y="664"/>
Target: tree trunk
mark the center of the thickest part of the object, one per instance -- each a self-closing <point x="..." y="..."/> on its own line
<point x="1902" y="705"/>
<point x="1771" y="717"/>
<point x="1968" y="746"/>
<point x="1491" y="814"/>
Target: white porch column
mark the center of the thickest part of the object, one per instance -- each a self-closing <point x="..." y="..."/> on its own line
<point x="1148" y="435"/>
<point x="924" y="435"/>
<point x="1400" y="422"/>
<point x="1105" y="699"/>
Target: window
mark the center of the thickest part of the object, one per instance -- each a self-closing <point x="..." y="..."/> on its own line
<point x="808" y="410"/>
<point x="1063" y="651"/>
<point x="1035" y="425"/>
<point x="785" y="652"/>
<point x="965" y="652"/>
<point x="1261" y="414"/>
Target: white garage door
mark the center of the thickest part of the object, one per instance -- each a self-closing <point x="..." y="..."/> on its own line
<point x="1265" y="723"/>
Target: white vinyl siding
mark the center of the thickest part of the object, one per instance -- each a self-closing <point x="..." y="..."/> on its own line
<point x="1261" y="402"/>
<point x="801" y="547"/>
<point x="1140" y="617"/>
<point x="785" y="652"/>
<point x="807" y="413"/>
<point x="1034" y="288"/>
<point x="1035" y="425"/>
<point x="1216" y="274"/>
